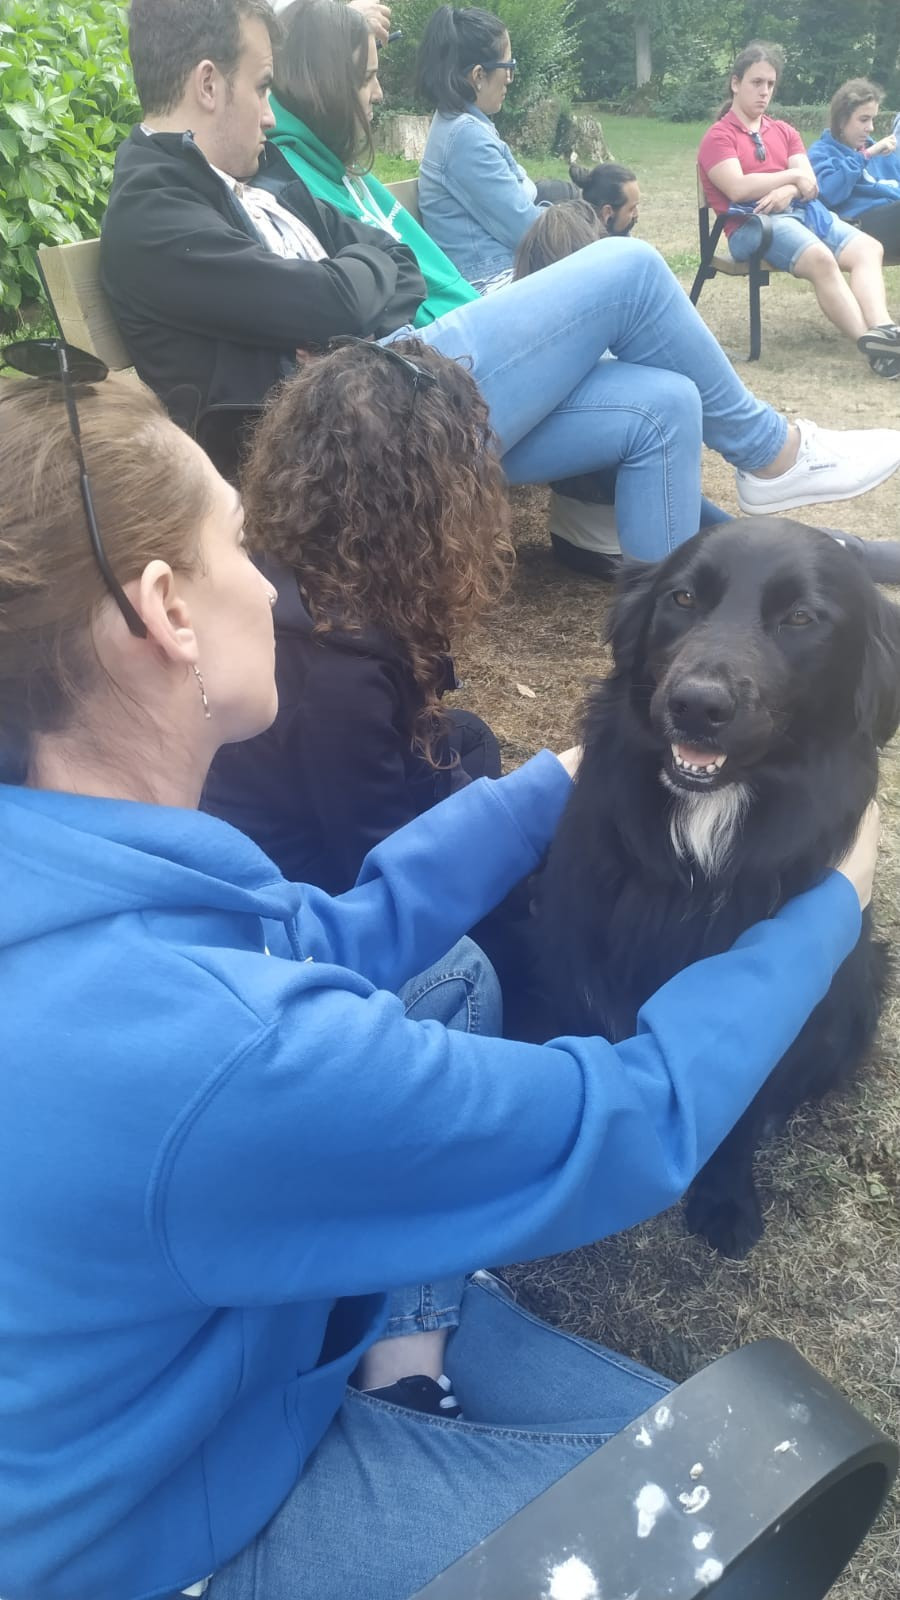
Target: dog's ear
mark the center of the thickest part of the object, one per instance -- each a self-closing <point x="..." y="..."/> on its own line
<point x="630" y="611"/>
<point x="877" y="703"/>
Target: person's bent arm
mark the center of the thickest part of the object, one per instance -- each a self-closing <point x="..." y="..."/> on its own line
<point x="377" y="16"/>
<point x="365" y="1151"/>
<point x="478" y="177"/>
<point x="422" y="888"/>
<point x="743" y="186"/>
<point x="837" y="174"/>
<point x="201" y="274"/>
<point x="802" y="172"/>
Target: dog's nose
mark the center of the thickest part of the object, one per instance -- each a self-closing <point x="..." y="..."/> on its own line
<point x="700" y="705"/>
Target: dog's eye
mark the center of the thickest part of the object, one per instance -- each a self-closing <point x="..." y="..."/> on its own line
<point x="684" y="598"/>
<point x="798" y="618"/>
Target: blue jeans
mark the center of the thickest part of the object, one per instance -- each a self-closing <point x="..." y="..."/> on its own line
<point x="391" y="1497"/>
<point x="461" y="991"/>
<point x="790" y="238"/>
<point x="558" y="410"/>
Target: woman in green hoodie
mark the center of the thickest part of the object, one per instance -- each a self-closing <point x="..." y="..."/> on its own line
<point x="326" y="85"/>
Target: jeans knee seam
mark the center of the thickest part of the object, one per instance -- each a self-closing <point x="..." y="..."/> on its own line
<point x="608" y="1356"/>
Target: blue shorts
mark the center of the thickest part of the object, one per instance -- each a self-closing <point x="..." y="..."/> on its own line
<point x="790" y="237"/>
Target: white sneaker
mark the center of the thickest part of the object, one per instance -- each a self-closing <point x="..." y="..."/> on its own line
<point x="829" y="466"/>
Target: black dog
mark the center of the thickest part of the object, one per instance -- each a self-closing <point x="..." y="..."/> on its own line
<point x="728" y="761"/>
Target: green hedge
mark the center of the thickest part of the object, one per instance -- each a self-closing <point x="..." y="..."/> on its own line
<point x="66" y="100"/>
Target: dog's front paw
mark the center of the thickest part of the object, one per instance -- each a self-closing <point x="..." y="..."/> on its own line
<point x="731" y="1224"/>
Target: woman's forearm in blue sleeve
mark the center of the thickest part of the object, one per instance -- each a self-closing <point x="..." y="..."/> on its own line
<point x="530" y="1149"/>
<point x="479" y="178"/>
<point x="422" y="888"/>
<point x="837" y="177"/>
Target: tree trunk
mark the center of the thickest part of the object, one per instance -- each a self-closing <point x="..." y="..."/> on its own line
<point x="643" y="64"/>
<point x="887" y="43"/>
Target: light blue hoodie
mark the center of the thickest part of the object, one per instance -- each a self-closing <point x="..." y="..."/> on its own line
<point x="221" y="1140"/>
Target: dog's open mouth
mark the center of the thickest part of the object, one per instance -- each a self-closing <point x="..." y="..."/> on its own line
<point x="700" y="767"/>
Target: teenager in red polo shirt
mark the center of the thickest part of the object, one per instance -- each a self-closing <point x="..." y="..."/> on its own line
<point x="753" y="165"/>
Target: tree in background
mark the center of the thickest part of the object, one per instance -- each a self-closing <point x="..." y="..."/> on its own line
<point x="691" y="42"/>
<point x="544" y="42"/>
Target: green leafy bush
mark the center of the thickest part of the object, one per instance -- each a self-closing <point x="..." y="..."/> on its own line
<point x="66" y="100"/>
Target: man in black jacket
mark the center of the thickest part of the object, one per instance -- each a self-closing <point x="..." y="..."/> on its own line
<point x="218" y="284"/>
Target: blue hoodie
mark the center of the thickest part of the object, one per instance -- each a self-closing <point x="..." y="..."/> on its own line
<point x="221" y="1141"/>
<point x="850" y="184"/>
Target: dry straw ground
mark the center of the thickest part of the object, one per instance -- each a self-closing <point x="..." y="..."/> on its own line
<point x="827" y="1274"/>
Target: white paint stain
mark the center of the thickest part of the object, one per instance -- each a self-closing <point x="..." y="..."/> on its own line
<point x="695" y="1501"/>
<point x="710" y="1571"/>
<point x="697" y="1470"/>
<point x="663" y="1417"/>
<point x="785" y="1445"/>
<point x="703" y="1539"/>
<point x="573" y="1580"/>
<point x="650" y="1503"/>
<point x="643" y="1438"/>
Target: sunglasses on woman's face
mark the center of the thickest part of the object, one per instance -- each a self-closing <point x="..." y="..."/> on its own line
<point x="508" y="67"/>
<point x="59" y="362"/>
<point x="759" y="147"/>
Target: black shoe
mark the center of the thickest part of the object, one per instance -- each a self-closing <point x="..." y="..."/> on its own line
<point x="881" y="346"/>
<point x="881" y="556"/>
<point x="434" y="1397"/>
<point x="592" y="562"/>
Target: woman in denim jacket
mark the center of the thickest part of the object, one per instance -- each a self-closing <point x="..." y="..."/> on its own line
<point x="475" y="199"/>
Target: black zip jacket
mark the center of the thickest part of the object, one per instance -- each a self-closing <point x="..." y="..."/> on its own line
<point x="336" y="772"/>
<point x="209" y="315"/>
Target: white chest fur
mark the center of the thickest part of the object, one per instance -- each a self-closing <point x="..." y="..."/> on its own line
<point x="703" y="827"/>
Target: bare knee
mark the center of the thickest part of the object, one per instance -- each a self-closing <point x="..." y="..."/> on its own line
<point x="817" y="264"/>
<point x="863" y="252"/>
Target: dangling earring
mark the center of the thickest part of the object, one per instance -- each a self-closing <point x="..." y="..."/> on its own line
<point x="199" y="676"/>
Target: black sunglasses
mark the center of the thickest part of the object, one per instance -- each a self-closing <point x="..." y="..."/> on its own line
<point x="54" y="359"/>
<point x="500" y="66"/>
<point x="416" y="374"/>
<point x="758" y="146"/>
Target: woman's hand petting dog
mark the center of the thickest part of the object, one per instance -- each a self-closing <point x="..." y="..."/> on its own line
<point x="571" y="759"/>
<point x="859" y="862"/>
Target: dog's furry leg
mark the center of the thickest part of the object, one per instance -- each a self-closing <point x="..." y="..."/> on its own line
<point x="722" y="1204"/>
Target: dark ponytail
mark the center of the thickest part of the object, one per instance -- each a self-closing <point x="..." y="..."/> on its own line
<point x="603" y="185"/>
<point x="756" y="50"/>
<point x="455" y="41"/>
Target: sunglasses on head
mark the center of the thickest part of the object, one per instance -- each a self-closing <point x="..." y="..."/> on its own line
<point x="55" y="360"/>
<point x="417" y="376"/>
<point x="758" y="146"/>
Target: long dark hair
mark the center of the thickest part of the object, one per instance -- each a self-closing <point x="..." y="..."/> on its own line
<point x="756" y="50"/>
<point x="319" y="70"/>
<point x="456" y="40"/>
<point x="387" y="502"/>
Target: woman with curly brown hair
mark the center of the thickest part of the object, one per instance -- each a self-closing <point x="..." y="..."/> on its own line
<point x="377" y="504"/>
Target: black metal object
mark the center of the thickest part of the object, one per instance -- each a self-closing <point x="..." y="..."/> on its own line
<point x="754" y="1480"/>
<point x="757" y="275"/>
